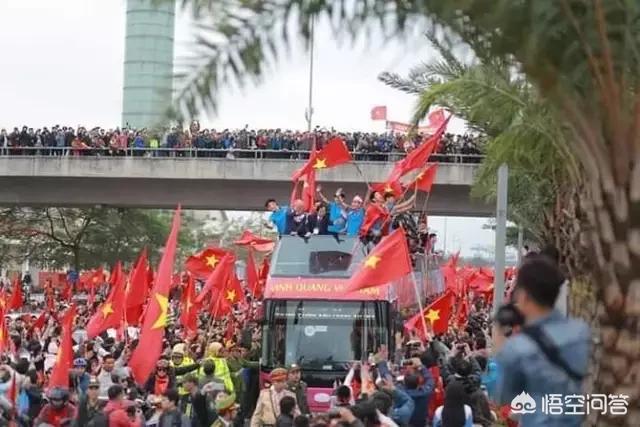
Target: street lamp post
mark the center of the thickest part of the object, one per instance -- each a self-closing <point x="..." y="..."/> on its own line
<point x="309" y="112"/>
<point x="501" y="234"/>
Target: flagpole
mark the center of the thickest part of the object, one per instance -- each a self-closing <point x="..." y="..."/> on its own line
<point x="418" y="297"/>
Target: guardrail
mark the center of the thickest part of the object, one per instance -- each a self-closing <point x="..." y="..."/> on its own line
<point x="213" y="153"/>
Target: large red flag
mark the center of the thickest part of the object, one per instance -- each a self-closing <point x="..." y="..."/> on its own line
<point x="387" y="262"/>
<point x="4" y="333"/>
<point x="374" y="214"/>
<point x="219" y="277"/>
<point x="418" y="157"/>
<point x="425" y="179"/>
<point x="137" y="290"/>
<point x="189" y="308"/>
<point x="253" y="281"/>
<point x="60" y="373"/>
<point x="202" y="264"/>
<point x="333" y="154"/>
<point x="15" y="303"/>
<point x="144" y="357"/>
<point x="111" y="313"/>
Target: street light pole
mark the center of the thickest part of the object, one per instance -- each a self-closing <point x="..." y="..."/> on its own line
<point x="309" y="112"/>
<point x="501" y="234"/>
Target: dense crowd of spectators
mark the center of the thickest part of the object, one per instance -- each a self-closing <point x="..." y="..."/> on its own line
<point x="193" y="141"/>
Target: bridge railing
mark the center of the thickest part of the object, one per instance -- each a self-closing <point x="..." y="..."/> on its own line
<point x="213" y="153"/>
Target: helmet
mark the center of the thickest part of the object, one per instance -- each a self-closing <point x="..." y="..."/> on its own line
<point x="58" y="393"/>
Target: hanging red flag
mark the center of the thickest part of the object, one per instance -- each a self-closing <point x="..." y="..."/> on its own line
<point x="144" y="357"/>
<point x="202" y="264"/>
<point x="379" y="112"/>
<point x="219" y="277"/>
<point x="425" y="179"/>
<point x="16" y="301"/>
<point x="60" y="373"/>
<point x="189" y="308"/>
<point x="251" y="274"/>
<point x="111" y="313"/>
<point x="418" y="157"/>
<point x="388" y="261"/>
<point x="333" y="154"/>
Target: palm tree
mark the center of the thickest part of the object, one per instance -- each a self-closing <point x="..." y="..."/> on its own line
<point x="582" y="57"/>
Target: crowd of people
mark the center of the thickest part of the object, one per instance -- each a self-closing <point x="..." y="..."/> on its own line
<point x="196" y="142"/>
<point x="459" y="378"/>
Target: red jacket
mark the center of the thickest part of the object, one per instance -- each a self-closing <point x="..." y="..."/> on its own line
<point x="116" y="411"/>
<point x="55" y="416"/>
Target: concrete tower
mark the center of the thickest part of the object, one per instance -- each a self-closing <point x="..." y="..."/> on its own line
<point x="148" y="62"/>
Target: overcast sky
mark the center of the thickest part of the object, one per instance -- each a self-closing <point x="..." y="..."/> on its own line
<point x="63" y="64"/>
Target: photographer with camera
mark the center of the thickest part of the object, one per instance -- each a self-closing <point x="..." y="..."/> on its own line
<point x="550" y="353"/>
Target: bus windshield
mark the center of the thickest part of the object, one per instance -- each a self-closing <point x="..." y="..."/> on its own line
<point x="320" y="256"/>
<point x="322" y="335"/>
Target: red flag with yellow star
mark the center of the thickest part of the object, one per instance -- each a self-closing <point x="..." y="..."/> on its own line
<point x="219" y="308"/>
<point x="189" y="308"/>
<point x="436" y="316"/>
<point x="394" y="187"/>
<point x="233" y="292"/>
<point x="425" y="179"/>
<point x="258" y="243"/>
<point x="419" y="157"/>
<point x="387" y="262"/>
<point x="144" y="357"/>
<point x="15" y="303"/>
<point x="111" y="313"/>
<point x="220" y="276"/>
<point x="60" y="373"/>
<point x="333" y="154"/>
<point x="202" y="264"/>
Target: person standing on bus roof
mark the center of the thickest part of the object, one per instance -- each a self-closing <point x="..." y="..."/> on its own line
<point x="298" y="387"/>
<point x="278" y="216"/>
<point x="268" y="406"/>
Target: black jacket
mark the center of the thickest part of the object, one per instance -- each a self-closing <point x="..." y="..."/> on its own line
<point x="196" y="407"/>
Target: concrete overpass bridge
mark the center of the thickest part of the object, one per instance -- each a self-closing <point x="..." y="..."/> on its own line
<point x="203" y="183"/>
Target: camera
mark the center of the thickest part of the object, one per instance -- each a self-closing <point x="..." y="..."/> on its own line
<point x="509" y="317"/>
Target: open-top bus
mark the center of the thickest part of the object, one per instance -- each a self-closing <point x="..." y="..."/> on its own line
<point x="309" y="318"/>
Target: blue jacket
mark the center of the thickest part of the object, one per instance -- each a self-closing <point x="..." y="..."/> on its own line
<point x="403" y="407"/>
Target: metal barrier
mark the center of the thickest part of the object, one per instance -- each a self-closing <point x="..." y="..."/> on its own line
<point x="213" y="153"/>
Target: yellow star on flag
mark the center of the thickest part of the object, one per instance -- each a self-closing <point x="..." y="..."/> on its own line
<point x="163" y="302"/>
<point x="212" y="261"/>
<point x="372" y="261"/>
<point x="432" y="316"/>
<point x="388" y="189"/>
<point x="231" y="295"/>
<point x="107" y="309"/>
<point x="320" y="164"/>
<point x="189" y="304"/>
<point x="420" y="175"/>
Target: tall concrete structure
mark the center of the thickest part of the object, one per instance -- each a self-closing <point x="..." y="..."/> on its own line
<point x="148" y="63"/>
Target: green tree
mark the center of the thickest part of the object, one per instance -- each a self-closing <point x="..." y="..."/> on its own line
<point x="86" y="238"/>
<point x="581" y="56"/>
